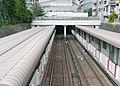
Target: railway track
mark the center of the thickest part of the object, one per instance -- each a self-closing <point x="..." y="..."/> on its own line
<point x="57" y="70"/>
<point x="81" y="81"/>
<point x="69" y="65"/>
<point x="87" y="72"/>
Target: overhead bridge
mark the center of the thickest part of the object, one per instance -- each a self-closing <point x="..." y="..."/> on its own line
<point x="86" y="21"/>
<point x="65" y="21"/>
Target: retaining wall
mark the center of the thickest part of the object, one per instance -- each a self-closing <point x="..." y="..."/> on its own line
<point x="110" y="27"/>
<point x="13" y="29"/>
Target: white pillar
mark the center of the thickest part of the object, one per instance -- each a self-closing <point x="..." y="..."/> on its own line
<point x="97" y="27"/>
<point x="65" y="32"/>
<point x="75" y="32"/>
<point x="32" y="26"/>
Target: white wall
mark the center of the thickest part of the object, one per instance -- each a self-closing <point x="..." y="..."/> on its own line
<point x="69" y="14"/>
<point x="58" y="9"/>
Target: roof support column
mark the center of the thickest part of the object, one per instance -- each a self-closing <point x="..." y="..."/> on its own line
<point x="65" y="31"/>
<point x="97" y="27"/>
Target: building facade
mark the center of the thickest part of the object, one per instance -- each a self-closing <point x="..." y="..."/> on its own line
<point x="101" y="8"/>
<point x="56" y="5"/>
<point x="111" y="5"/>
<point x="65" y="8"/>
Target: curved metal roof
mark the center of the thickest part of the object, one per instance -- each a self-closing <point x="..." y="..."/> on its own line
<point x="17" y="64"/>
<point x="107" y="36"/>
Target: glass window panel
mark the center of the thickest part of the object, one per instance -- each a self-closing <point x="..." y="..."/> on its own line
<point x="97" y="41"/>
<point x="119" y="57"/>
<point x="84" y="35"/>
<point x="104" y="45"/>
<point x="111" y="53"/>
<point x="92" y="38"/>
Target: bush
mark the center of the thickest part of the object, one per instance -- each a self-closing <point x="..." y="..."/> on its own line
<point x="89" y="11"/>
<point x="14" y="12"/>
<point x="37" y="10"/>
<point x="119" y="18"/>
<point x="112" y="17"/>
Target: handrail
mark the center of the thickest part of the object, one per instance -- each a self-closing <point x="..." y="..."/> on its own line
<point x="67" y="18"/>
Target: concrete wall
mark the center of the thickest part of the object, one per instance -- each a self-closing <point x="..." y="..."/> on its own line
<point x="13" y="29"/>
<point x="110" y="27"/>
<point x="67" y="14"/>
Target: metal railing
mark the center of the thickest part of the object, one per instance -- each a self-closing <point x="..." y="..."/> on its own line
<point x="67" y="18"/>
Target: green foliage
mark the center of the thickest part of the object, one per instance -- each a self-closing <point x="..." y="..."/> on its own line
<point x="89" y="11"/>
<point x="3" y="15"/>
<point x="112" y="17"/>
<point x="13" y="12"/>
<point x="37" y="10"/>
<point x="23" y="15"/>
<point x="119" y="18"/>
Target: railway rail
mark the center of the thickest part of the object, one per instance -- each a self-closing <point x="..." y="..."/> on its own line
<point x="70" y="65"/>
<point x="57" y="71"/>
<point x="87" y="71"/>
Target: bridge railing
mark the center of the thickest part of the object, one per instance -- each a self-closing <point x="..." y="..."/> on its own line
<point x="67" y="18"/>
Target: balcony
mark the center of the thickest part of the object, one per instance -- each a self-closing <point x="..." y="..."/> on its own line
<point x="94" y="7"/>
<point x="95" y="2"/>
<point x="112" y="1"/>
<point x="106" y="13"/>
<point x="81" y="1"/>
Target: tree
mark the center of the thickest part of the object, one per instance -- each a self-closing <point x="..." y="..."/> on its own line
<point x="112" y="16"/>
<point x="9" y="5"/>
<point x="4" y="17"/>
<point x="1" y="14"/>
<point x="89" y="11"/>
<point x="37" y="10"/>
<point x="119" y="18"/>
<point x="22" y="14"/>
<point x="14" y="11"/>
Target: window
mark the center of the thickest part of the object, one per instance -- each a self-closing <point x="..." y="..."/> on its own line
<point x="117" y="4"/>
<point x="104" y="9"/>
<point x="89" y="38"/>
<point x="92" y="38"/>
<point x="97" y="41"/>
<point x="111" y="52"/>
<point x="79" y="32"/>
<point x="104" y="45"/>
<point x="119" y="57"/>
<point x="84" y="35"/>
<point x="107" y="9"/>
<point x="105" y="2"/>
<point x="99" y="9"/>
<point x="114" y="54"/>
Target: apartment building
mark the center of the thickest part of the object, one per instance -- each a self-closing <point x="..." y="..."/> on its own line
<point x="56" y="5"/>
<point x="66" y="8"/>
<point x="101" y="8"/>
